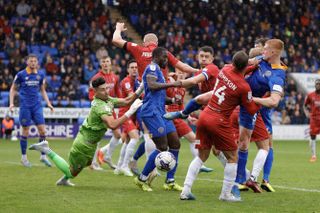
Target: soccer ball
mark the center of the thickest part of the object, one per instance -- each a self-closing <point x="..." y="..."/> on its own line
<point x="165" y="161"/>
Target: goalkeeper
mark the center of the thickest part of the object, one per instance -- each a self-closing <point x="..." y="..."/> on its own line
<point x="91" y="132"/>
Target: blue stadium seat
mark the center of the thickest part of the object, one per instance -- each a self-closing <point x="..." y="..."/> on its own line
<point x="3" y="55"/>
<point x="50" y="95"/>
<point x="53" y="51"/>
<point x="35" y="49"/>
<point x="76" y="104"/>
<point x="80" y="120"/>
<point x="64" y="103"/>
<point x="84" y="88"/>
<point x="85" y="104"/>
<point x="2" y="103"/>
<point x="4" y="95"/>
<point x="43" y="103"/>
<point x="5" y="61"/>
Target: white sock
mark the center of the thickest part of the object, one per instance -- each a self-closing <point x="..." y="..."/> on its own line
<point x="149" y="145"/>
<point x="122" y="154"/>
<point x="193" y="150"/>
<point x="192" y="174"/>
<point x="312" y="144"/>
<point x="230" y="173"/>
<point x="104" y="149"/>
<point x="129" y="152"/>
<point x="94" y="160"/>
<point x="222" y="158"/>
<point x="24" y="157"/>
<point x="114" y="142"/>
<point x="258" y="163"/>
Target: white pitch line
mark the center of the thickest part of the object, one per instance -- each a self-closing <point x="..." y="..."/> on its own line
<point x="201" y="179"/>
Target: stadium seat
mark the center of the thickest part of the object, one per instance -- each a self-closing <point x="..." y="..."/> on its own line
<point x="76" y="104"/>
<point x="5" y="61"/>
<point x="85" y="104"/>
<point x="2" y="103"/>
<point x="64" y="103"/>
<point x="4" y="95"/>
<point x="80" y="120"/>
<point x="50" y="95"/>
<point x="35" y="49"/>
<point x="3" y="55"/>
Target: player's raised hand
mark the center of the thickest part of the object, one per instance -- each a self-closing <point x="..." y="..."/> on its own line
<point x="120" y="26"/>
<point x="11" y="107"/>
<point x="51" y="107"/>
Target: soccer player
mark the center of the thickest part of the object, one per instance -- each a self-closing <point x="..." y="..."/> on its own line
<point x="205" y="78"/>
<point x="312" y="111"/>
<point x="112" y="81"/>
<point x="183" y="129"/>
<point x="143" y="55"/>
<point x="129" y="128"/>
<point x="214" y="125"/>
<point x="29" y="82"/>
<point x="91" y="132"/>
<point x="163" y="132"/>
<point x="269" y="77"/>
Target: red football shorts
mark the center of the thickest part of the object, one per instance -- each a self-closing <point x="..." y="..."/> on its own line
<point x="128" y="126"/>
<point x="214" y="129"/>
<point x="314" y="126"/>
<point x="182" y="127"/>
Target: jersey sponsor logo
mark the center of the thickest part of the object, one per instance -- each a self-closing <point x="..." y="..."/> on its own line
<point x="127" y="85"/>
<point x="133" y="44"/>
<point x="147" y="54"/>
<point x="277" y="88"/>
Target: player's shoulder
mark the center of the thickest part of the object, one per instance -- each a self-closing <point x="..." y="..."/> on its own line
<point x="153" y="67"/>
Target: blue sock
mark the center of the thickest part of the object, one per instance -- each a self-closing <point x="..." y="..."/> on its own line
<point x="191" y="106"/>
<point x="42" y="138"/>
<point x="23" y="145"/>
<point x="150" y="165"/>
<point x="140" y="151"/>
<point x="242" y="162"/>
<point x="170" y="174"/>
<point x="268" y="165"/>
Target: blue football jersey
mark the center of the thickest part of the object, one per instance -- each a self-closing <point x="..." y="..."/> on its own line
<point x="267" y="78"/>
<point x="29" y="87"/>
<point x="154" y="100"/>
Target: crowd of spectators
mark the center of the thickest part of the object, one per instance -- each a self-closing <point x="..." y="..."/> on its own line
<point x="69" y="36"/>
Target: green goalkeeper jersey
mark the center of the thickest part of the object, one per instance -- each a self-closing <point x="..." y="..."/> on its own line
<point x="93" y="128"/>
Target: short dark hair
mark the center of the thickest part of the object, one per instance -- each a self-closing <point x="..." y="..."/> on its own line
<point x="32" y="56"/>
<point x="206" y="49"/>
<point x="97" y="82"/>
<point x="157" y="52"/>
<point x="240" y="60"/>
<point x="261" y="41"/>
<point x="130" y="62"/>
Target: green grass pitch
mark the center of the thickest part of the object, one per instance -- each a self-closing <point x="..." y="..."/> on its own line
<point x="296" y="181"/>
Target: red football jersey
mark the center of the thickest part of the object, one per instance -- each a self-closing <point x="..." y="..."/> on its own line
<point x="231" y="90"/>
<point x="313" y="101"/>
<point x="127" y="87"/>
<point x="177" y="93"/>
<point x="143" y="56"/>
<point x="210" y="72"/>
<point x="112" y="81"/>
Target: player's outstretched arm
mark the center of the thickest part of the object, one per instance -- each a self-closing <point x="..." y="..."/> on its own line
<point x="117" y="39"/>
<point x="115" y="123"/>
<point x="193" y="81"/>
<point x="154" y="85"/>
<point x="185" y="67"/>
<point x="13" y="91"/>
<point x="271" y="102"/>
<point x="45" y="97"/>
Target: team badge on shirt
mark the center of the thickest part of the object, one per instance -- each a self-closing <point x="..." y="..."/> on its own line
<point x="127" y="85"/>
<point x="249" y="96"/>
<point x="38" y="77"/>
<point x="267" y="73"/>
<point x="161" y="130"/>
